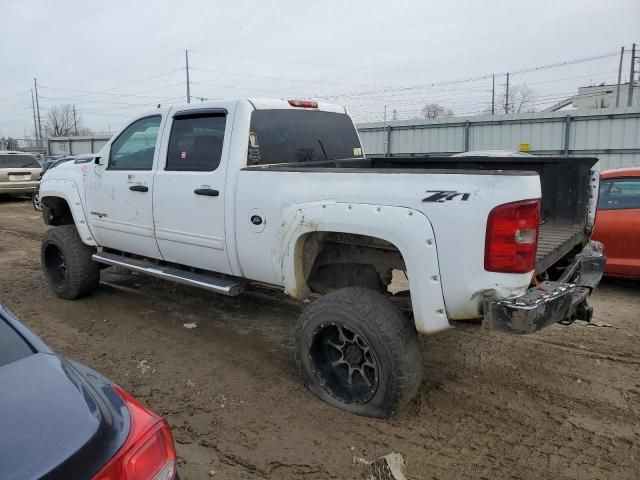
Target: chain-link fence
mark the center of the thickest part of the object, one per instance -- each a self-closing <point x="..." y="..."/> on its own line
<point x="30" y="145"/>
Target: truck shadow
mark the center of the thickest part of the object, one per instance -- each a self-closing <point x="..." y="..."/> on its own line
<point x="6" y="198"/>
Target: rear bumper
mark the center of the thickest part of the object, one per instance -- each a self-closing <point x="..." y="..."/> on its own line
<point x="552" y="302"/>
<point x="18" y="187"/>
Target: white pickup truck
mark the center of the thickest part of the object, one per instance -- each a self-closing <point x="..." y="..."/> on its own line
<point x="223" y="195"/>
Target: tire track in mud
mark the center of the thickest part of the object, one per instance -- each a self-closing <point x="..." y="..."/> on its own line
<point x="491" y="406"/>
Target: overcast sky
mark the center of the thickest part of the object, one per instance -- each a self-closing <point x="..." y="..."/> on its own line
<point x="114" y="59"/>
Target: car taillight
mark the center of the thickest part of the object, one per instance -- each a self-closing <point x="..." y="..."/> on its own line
<point x="303" y="103"/>
<point x="512" y="237"/>
<point x="148" y="453"/>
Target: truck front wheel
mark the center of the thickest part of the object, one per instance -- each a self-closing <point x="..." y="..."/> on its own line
<point x="67" y="263"/>
<point x="356" y="351"/>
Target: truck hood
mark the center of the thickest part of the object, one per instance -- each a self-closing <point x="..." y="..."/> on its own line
<point x="47" y="414"/>
<point x="69" y="168"/>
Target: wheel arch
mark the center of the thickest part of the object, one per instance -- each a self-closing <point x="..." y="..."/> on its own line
<point x="407" y="231"/>
<point x="62" y="205"/>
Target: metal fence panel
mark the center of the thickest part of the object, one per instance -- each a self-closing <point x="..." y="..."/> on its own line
<point x="611" y="134"/>
<point x="77" y="145"/>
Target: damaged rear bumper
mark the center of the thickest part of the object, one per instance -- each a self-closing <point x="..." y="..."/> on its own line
<point x="551" y="302"/>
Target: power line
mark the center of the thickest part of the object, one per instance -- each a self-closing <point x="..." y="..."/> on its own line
<point x="484" y="77"/>
<point x="350" y="67"/>
<point x="109" y="91"/>
<point x="125" y="67"/>
<point x="94" y="92"/>
<point x="278" y="92"/>
<point x="271" y="77"/>
<point x="14" y="96"/>
<point x="13" y="104"/>
<point x="446" y="94"/>
<point x="144" y="80"/>
<point x="56" y="99"/>
<point x="186" y="59"/>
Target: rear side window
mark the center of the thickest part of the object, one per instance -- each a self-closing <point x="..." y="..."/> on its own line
<point x="18" y="161"/>
<point x="12" y="345"/>
<point x="619" y="194"/>
<point x="135" y="147"/>
<point x="289" y="136"/>
<point x="196" y="142"/>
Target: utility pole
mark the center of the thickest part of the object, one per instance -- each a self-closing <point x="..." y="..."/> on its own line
<point x="186" y="59"/>
<point x="384" y="128"/>
<point x="35" y="125"/>
<point x="493" y="94"/>
<point x="632" y="75"/>
<point x="75" y="123"/>
<point x="35" y="87"/>
<point x="506" y="97"/>
<point x="619" y="78"/>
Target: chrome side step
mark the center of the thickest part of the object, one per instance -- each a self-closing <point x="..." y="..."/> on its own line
<point x="219" y="285"/>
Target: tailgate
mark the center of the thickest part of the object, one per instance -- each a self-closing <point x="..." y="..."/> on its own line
<point x="568" y="189"/>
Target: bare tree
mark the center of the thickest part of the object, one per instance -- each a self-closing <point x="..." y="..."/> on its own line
<point x="64" y="121"/>
<point x="521" y="99"/>
<point x="11" y="144"/>
<point x="435" y="110"/>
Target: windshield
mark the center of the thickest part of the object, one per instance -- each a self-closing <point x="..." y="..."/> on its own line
<point x="287" y="136"/>
<point x="18" y="161"/>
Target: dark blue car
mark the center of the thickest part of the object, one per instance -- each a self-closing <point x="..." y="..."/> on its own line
<point x="61" y="420"/>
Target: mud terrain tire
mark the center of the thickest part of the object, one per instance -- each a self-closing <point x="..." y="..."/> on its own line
<point x="67" y="263"/>
<point x="356" y="351"/>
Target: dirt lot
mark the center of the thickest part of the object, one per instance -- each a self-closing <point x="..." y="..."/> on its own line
<point x="564" y="403"/>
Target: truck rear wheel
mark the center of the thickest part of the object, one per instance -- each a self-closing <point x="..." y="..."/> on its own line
<point x="67" y="263"/>
<point x="356" y="351"/>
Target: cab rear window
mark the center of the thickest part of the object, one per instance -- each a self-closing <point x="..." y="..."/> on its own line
<point x="18" y="161"/>
<point x="293" y="136"/>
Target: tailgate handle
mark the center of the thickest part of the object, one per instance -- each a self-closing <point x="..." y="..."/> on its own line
<point x="209" y="192"/>
<point x="139" y="188"/>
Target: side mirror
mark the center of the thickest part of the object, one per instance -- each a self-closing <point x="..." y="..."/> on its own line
<point x="103" y="155"/>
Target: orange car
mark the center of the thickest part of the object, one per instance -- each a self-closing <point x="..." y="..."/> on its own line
<point x="618" y="221"/>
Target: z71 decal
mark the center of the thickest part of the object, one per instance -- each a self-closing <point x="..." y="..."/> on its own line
<point x="445" y="195"/>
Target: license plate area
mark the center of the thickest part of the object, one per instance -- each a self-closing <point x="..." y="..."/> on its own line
<point x="19" y="177"/>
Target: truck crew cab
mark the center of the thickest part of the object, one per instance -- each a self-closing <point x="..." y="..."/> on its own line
<point x="220" y="195"/>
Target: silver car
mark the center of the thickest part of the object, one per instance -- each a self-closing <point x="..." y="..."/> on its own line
<point x="19" y="173"/>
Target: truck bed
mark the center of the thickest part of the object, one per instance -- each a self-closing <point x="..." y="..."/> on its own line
<point x="565" y="184"/>
<point x="554" y="242"/>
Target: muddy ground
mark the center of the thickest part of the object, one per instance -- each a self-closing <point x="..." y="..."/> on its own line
<point x="563" y="403"/>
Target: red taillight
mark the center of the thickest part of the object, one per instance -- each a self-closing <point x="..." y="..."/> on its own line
<point x="512" y="237"/>
<point x="303" y="103"/>
<point x="148" y="453"/>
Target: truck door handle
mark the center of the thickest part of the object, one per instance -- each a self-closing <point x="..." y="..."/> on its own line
<point x="139" y="188"/>
<point x="209" y="192"/>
